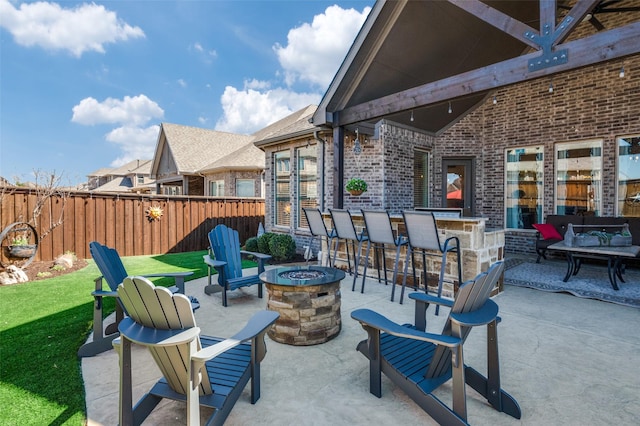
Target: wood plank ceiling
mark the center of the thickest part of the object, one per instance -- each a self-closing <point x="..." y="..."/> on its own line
<point x="414" y="58"/>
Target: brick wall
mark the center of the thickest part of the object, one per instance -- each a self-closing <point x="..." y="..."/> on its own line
<point x="590" y="103"/>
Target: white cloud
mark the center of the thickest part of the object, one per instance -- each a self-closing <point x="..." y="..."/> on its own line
<point x="133" y="137"/>
<point x="312" y="55"/>
<point x="207" y="55"/>
<point x="315" y="51"/>
<point x="136" y="143"/>
<point x="182" y="83"/>
<point x="131" y="111"/>
<point x="87" y="27"/>
<point x="247" y="111"/>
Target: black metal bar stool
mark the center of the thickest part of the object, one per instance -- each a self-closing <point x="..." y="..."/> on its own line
<point x="423" y="236"/>
<point x="319" y="229"/>
<point x="346" y="230"/>
<point x="380" y="233"/>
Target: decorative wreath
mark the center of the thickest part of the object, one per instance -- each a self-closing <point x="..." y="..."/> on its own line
<point x="154" y="213"/>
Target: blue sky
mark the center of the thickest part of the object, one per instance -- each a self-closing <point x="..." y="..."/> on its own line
<point x="84" y="85"/>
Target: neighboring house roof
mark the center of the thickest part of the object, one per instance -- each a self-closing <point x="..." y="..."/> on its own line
<point x="101" y="172"/>
<point x="140" y="167"/>
<point x="119" y="184"/>
<point x="293" y="125"/>
<point x="193" y="148"/>
<point x="249" y="157"/>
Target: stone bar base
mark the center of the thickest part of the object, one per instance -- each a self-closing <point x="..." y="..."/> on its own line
<point x="480" y="249"/>
<point x="309" y="315"/>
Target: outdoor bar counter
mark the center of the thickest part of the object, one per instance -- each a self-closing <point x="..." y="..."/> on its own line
<point x="480" y="248"/>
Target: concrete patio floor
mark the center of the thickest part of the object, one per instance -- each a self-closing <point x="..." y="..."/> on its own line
<point x="566" y="360"/>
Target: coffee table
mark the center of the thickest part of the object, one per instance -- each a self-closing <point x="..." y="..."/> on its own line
<point x="614" y="255"/>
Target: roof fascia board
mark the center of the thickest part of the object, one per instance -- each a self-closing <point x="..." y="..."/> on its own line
<point x="321" y="116"/>
<point x="601" y="47"/>
<point x="286" y="138"/>
<point x="158" y="152"/>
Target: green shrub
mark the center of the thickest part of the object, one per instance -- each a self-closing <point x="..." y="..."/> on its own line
<point x="282" y="247"/>
<point x="263" y="242"/>
<point x="251" y="244"/>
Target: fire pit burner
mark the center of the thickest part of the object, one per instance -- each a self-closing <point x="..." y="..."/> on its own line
<point x="308" y="300"/>
<point x="307" y="274"/>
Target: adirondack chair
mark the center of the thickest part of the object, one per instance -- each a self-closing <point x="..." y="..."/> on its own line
<point x="419" y="362"/>
<point x="224" y="243"/>
<point x="113" y="272"/>
<point x="196" y="369"/>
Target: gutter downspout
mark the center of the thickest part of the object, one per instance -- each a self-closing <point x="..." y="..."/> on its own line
<point x="322" y="142"/>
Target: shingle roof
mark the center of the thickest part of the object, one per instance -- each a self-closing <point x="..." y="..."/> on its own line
<point x="296" y="122"/>
<point x="193" y="148"/>
<point x="249" y="157"/>
<point x="101" y="172"/>
<point x="135" y="166"/>
<point x="119" y="184"/>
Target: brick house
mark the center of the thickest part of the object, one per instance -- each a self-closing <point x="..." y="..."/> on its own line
<point x="436" y="107"/>
<point x="195" y="161"/>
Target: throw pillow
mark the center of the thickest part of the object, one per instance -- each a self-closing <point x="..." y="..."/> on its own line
<point x="548" y="231"/>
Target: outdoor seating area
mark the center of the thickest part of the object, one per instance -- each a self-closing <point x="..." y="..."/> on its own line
<point x="552" y="349"/>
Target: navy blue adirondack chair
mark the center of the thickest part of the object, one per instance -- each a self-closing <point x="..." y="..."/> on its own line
<point x="224" y="244"/>
<point x="196" y="369"/>
<point x="419" y="362"/>
<point x="113" y="272"/>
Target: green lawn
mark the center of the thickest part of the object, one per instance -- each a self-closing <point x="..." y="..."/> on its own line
<point x="42" y="325"/>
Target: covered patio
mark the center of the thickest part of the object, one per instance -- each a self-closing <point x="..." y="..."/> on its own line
<point x="563" y="358"/>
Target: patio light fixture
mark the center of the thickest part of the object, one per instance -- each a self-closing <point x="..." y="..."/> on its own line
<point x="411" y="116"/>
<point x="495" y="100"/>
<point x="449" y="110"/>
<point x="550" y="86"/>
<point x="622" y="72"/>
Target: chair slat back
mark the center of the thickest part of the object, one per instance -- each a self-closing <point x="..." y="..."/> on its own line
<point x="109" y="263"/>
<point x="343" y="224"/>
<point x="157" y="307"/>
<point x="422" y="230"/>
<point x="378" y="224"/>
<point x="316" y="222"/>
<point x="225" y="243"/>
<point x="471" y="296"/>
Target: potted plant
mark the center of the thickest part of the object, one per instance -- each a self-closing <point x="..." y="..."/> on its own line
<point x="20" y="247"/>
<point x="356" y="186"/>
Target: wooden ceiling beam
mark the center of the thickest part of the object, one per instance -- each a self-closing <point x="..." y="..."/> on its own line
<point x="500" y="20"/>
<point x="601" y="47"/>
<point x="577" y="14"/>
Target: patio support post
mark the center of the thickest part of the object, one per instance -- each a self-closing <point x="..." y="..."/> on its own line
<point x="338" y="167"/>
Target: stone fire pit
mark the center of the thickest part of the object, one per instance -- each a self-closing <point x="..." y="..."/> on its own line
<point x="308" y="301"/>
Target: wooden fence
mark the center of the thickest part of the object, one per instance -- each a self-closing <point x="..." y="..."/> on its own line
<point x="120" y="221"/>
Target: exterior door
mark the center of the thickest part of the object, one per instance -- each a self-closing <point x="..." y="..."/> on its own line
<point x="458" y="184"/>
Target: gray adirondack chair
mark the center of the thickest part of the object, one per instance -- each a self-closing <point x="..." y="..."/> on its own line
<point x="224" y="244"/>
<point x="113" y="272"/>
<point x="196" y="369"/>
<point x="419" y="362"/>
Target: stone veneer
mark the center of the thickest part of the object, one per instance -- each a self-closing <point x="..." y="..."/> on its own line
<point x="480" y="249"/>
<point x="309" y="315"/>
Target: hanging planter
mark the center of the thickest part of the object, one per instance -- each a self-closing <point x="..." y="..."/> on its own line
<point x="356" y="186"/>
<point x="22" y="251"/>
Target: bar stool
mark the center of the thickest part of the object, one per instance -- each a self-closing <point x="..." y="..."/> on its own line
<point x="346" y="230"/>
<point x="380" y="233"/>
<point x="423" y="236"/>
<point x="319" y="229"/>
